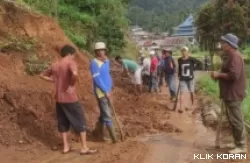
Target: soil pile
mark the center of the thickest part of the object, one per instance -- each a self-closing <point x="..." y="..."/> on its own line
<point x="27" y="103"/>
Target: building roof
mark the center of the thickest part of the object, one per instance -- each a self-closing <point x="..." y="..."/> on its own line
<point x="173" y="41"/>
<point x="188" y="22"/>
<point x="147" y="43"/>
<point x="186" y="28"/>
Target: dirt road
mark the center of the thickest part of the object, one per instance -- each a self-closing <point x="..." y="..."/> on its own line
<point x="158" y="148"/>
<point x="192" y="138"/>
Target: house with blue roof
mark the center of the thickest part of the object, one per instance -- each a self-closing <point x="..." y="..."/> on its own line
<point x="186" y="30"/>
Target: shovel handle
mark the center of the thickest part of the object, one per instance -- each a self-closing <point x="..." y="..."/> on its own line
<point x="117" y="122"/>
<point x="219" y="126"/>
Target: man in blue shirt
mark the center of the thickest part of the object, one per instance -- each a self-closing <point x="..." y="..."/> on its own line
<point x="102" y="81"/>
<point x="161" y="73"/>
<point x="169" y="68"/>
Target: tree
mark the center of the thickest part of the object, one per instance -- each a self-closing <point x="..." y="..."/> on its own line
<point x="87" y="21"/>
<point x="219" y="18"/>
<point x="161" y="15"/>
<point x="54" y="8"/>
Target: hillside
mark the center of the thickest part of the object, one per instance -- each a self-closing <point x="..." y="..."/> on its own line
<point x="161" y="15"/>
<point x="30" y="42"/>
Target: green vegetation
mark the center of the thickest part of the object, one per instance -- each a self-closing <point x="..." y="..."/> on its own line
<point x="18" y="44"/>
<point x="34" y="65"/>
<point x="87" y="21"/>
<point x="161" y="15"/>
<point x="222" y="17"/>
<point x="210" y="87"/>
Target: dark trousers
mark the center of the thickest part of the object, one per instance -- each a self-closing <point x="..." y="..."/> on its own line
<point x="70" y="114"/>
<point x="171" y="84"/>
<point x="105" y="111"/>
<point x="163" y="76"/>
<point x="235" y="118"/>
<point x="146" y="79"/>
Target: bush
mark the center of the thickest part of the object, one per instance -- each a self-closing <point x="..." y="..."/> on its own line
<point x="79" y="40"/>
<point x="18" y="44"/>
<point x="210" y="88"/>
<point x="34" y="66"/>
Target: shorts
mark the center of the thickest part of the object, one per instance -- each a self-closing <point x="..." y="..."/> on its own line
<point x="187" y="85"/>
<point x="137" y="78"/>
<point x="105" y="110"/>
<point x="70" y="114"/>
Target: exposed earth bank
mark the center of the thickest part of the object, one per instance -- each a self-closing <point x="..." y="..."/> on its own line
<point x="27" y="112"/>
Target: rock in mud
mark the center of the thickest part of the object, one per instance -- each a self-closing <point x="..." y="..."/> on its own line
<point x="210" y="114"/>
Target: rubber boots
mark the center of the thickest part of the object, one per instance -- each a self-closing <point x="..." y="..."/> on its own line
<point x="99" y="131"/>
<point x="112" y="135"/>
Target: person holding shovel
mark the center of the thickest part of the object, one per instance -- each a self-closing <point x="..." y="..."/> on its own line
<point x="186" y="70"/>
<point x="130" y="66"/>
<point x="69" y="111"/>
<point x="169" y="70"/>
<point x="232" y="84"/>
<point x="102" y="81"/>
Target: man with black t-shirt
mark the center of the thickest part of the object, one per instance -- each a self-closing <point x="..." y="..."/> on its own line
<point x="186" y="70"/>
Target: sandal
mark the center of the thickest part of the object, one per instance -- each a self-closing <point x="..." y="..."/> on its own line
<point x="70" y="150"/>
<point x="89" y="152"/>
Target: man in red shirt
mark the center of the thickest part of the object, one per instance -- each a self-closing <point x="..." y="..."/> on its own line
<point x="153" y="72"/>
<point x="68" y="109"/>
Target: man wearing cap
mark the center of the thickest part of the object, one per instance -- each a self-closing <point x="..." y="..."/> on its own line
<point x="169" y="70"/>
<point x="187" y="65"/>
<point x="102" y="81"/>
<point x="232" y="84"/>
<point x="130" y="66"/>
<point x="153" y="73"/>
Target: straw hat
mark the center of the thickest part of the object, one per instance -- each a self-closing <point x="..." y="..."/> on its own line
<point x="100" y="46"/>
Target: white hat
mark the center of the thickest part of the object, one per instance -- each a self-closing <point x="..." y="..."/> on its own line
<point x="184" y="48"/>
<point x="100" y="46"/>
<point x="152" y="53"/>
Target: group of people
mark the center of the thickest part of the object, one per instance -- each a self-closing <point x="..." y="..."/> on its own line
<point x="64" y="73"/>
<point x="155" y="69"/>
<point x="69" y="111"/>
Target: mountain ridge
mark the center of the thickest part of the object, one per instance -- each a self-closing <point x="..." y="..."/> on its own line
<point x="161" y="15"/>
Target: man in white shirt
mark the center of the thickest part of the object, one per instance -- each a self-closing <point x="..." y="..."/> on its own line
<point x="146" y="70"/>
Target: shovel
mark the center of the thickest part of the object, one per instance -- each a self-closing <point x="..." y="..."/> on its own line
<point x="116" y="119"/>
<point x="219" y="126"/>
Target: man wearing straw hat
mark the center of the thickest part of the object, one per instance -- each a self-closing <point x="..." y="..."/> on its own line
<point x="100" y="70"/>
<point x="232" y="84"/>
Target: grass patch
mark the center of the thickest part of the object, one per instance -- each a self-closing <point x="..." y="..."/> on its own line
<point x="130" y="50"/>
<point x="18" y="44"/>
<point x="210" y="88"/>
<point x="34" y="66"/>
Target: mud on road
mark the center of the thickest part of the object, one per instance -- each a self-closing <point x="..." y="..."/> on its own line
<point x="149" y="147"/>
<point x="27" y="114"/>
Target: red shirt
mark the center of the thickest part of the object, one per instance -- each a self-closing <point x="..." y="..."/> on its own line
<point x="154" y="64"/>
<point x="61" y="73"/>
